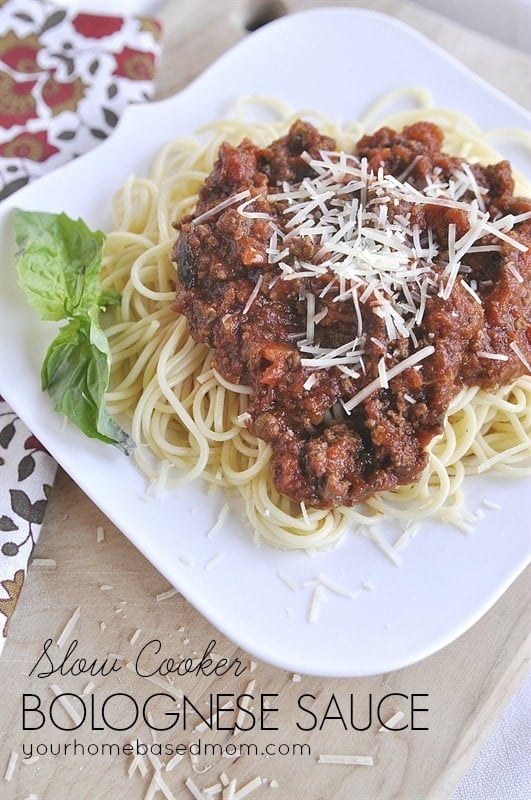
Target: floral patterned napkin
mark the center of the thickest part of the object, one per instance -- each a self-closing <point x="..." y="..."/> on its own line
<point x="65" y="78"/>
<point x="26" y="476"/>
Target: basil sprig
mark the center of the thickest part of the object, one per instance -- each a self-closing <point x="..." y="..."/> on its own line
<point x="59" y="262"/>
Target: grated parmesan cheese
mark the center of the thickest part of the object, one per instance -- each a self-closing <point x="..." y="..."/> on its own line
<point x="207" y="724"/>
<point x="254" y="294"/>
<point x="229" y="201"/>
<point x="138" y="763"/>
<point x="69" y="627"/>
<point x="219" y="522"/>
<point x="493" y="356"/>
<point x="172" y="763"/>
<point x="11" y="764"/>
<point x="391" y="722"/>
<point x="290" y="583"/>
<point x="155" y="761"/>
<point x="319" y="596"/>
<point x="383" y="544"/>
<point x="409" y="532"/>
<point x="408" y="362"/>
<point x="166" y="595"/>
<point x="229" y="790"/>
<point x="67" y="705"/>
<point x="372" y="256"/>
<point x="135" y="636"/>
<point x="363" y="761"/>
<point x="512" y="269"/>
<point x="491" y="505"/>
<point x="328" y="583"/>
<point x="246" y="790"/>
<point x="158" y="784"/>
<point x="244" y="706"/>
<point x="216" y="788"/>
<point x="196" y="793"/>
<point x="214" y="561"/>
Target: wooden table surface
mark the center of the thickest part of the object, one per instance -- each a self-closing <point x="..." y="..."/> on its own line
<point x="84" y="567"/>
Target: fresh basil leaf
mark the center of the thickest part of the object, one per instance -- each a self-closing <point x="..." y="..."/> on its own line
<point x="75" y="373"/>
<point x="109" y="298"/>
<point x="59" y="263"/>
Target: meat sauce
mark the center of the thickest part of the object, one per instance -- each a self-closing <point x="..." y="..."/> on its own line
<point x="253" y="311"/>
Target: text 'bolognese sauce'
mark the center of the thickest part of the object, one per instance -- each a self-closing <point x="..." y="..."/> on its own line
<point x="356" y="294"/>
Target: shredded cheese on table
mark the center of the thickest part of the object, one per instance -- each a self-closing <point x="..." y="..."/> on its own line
<point x="358" y="761"/>
<point x="11" y="764"/>
<point x="166" y="595"/>
<point x="69" y="627"/>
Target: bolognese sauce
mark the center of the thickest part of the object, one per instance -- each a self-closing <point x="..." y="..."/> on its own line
<point x="355" y="294"/>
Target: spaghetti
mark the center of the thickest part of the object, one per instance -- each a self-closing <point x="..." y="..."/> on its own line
<point x="188" y="421"/>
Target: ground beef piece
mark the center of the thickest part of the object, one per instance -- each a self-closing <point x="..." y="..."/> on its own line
<point x="282" y="160"/>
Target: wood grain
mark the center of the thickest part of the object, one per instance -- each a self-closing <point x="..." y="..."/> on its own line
<point x="467" y="684"/>
<point x="464" y="687"/>
<point x="198" y="31"/>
